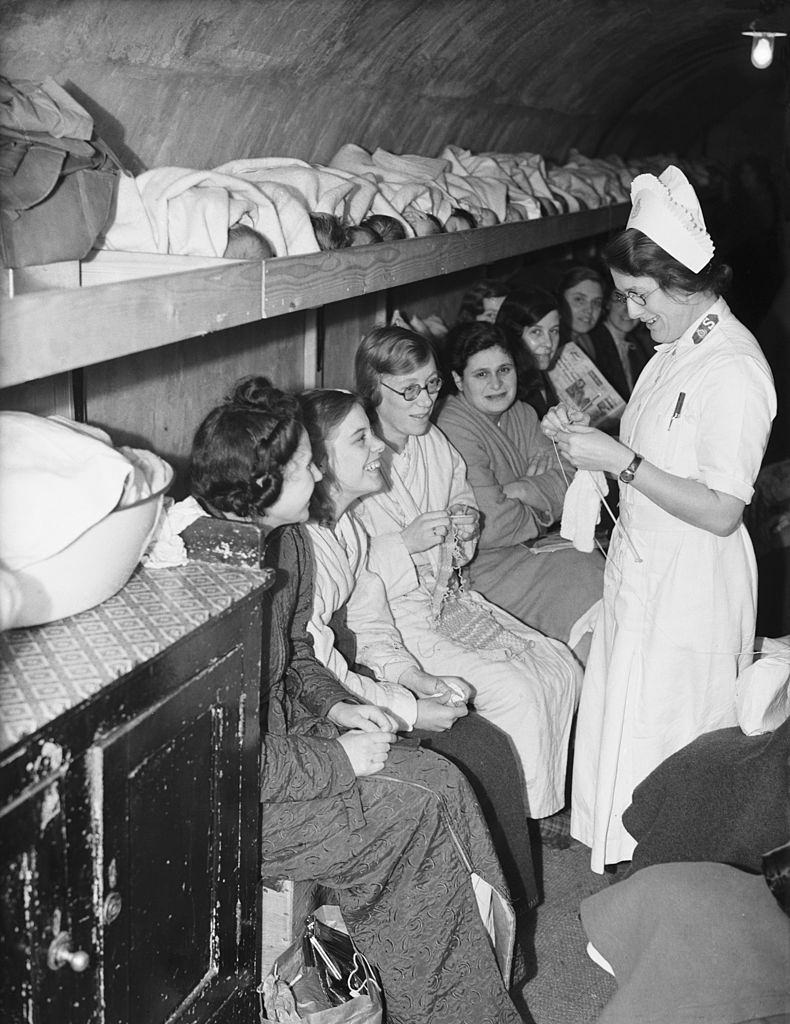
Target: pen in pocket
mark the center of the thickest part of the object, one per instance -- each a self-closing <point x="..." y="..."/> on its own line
<point x="678" y="409"/>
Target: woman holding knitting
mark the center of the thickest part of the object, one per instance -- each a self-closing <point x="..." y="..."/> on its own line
<point x="678" y="617"/>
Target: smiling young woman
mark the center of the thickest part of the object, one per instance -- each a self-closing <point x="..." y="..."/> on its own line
<point x="366" y="652"/>
<point x="522" y="681"/>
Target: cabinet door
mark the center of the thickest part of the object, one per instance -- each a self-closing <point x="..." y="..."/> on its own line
<point x="171" y="784"/>
<point x="47" y="962"/>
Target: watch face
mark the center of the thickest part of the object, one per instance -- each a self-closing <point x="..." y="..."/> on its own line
<point x="627" y="474"/>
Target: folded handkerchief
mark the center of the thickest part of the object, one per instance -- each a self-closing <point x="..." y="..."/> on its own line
<point x="166" y="547"/>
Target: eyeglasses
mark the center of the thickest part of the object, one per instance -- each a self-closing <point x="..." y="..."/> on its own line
<point x="412" y="392"/>
<point x="640" y="300"/>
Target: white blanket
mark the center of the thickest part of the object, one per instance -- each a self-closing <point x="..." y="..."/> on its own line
<point x="188" y="212"/>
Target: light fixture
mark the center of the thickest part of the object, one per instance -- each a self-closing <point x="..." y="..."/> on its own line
<point x="762" y="47"/>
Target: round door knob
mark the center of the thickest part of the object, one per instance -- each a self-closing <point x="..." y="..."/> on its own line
<point x="61" y="954"/>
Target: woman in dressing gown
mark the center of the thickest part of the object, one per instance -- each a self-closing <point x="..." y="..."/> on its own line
<point x="519" y="487"/>
<point x="680" y="585"/>
<point x="523" y="682"/>
<point x="354" y="635"/>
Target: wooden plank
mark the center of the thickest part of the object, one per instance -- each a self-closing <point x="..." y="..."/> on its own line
<point x="49" y="332"/>
<point x="105" y="265"/>
<point x="299" y="282"/>
<point x="50" y="395"/>
<point x="21" y="280"/>
<point x="310" y="350"/>
<point x="283" y="909"/>
<point x="345" y="323"/>
<point x="46" y="397"/>
<point x="156" y="399"/>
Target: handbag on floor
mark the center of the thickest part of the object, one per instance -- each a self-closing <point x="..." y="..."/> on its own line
<point x="322" y="978"/>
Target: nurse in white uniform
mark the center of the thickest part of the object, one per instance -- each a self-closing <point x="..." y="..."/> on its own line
<point x="678" y="617"/>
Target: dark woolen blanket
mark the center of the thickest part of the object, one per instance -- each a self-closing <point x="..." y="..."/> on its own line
<point x="723" y="797"/>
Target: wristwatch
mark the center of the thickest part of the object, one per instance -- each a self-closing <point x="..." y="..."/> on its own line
<point x="627" y="474"/>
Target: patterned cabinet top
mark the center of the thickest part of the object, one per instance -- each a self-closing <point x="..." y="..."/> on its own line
<point x="46" y="670"/>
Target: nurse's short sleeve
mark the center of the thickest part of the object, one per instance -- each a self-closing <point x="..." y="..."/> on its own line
<point x="737" y="409"/>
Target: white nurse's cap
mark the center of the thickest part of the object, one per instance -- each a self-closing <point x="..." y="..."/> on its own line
<point x="667" y="210"/>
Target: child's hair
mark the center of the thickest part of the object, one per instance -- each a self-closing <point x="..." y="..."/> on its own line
<point x="323" y="411"/>
<point x="388" y="228"/>
<point x="329" y="232"/>
<point x="362" y="234"/>
<point x="245" y="243"/>
<point x="459" y="220"/>
<point x="242" y="447"/>
<point x="423" y="223"/>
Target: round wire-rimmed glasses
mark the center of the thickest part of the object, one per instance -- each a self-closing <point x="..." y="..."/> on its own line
<point x="639" y="299"/>
<point x="412" y="392"/>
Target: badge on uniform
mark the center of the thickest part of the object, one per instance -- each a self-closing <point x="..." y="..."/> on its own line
<point x="705" y="327"/>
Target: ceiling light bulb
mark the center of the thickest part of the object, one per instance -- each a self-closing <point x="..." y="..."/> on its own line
<point x="762" y="51"/>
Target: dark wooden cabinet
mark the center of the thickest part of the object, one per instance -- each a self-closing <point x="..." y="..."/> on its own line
<point x="128" y="840"/>
<point x="39" y="920"/>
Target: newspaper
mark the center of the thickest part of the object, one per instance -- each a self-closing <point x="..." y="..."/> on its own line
<point x="578" y="380"/>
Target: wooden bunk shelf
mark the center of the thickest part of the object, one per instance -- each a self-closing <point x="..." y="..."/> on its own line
<point x="47" y="332"/>
<point x="132" y="302"/>
<point x="299" y="282"/>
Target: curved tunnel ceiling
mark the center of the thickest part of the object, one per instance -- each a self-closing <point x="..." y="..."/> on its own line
<point x="199" y="82"/>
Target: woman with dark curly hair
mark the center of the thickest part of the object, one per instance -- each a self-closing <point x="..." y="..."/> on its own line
<point x="394" y="831"/>
<point x="678" y="619"/>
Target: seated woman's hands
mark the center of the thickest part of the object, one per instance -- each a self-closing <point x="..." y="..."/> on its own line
<point x="434" y="716"/>
<point x="426" y="531"/>
<point x="367" y="751"/>
<point x="560" y="417"/>
<point x="465" y="530"/>
<point x="365" y="717"/>
<point x="541" y="462"/>
<point x="448" y="690"/>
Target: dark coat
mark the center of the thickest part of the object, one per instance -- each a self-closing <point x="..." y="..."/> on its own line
<point x="607" y="358"/>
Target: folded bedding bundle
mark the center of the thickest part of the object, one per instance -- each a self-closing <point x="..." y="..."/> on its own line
<point x="190" y="212"/>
